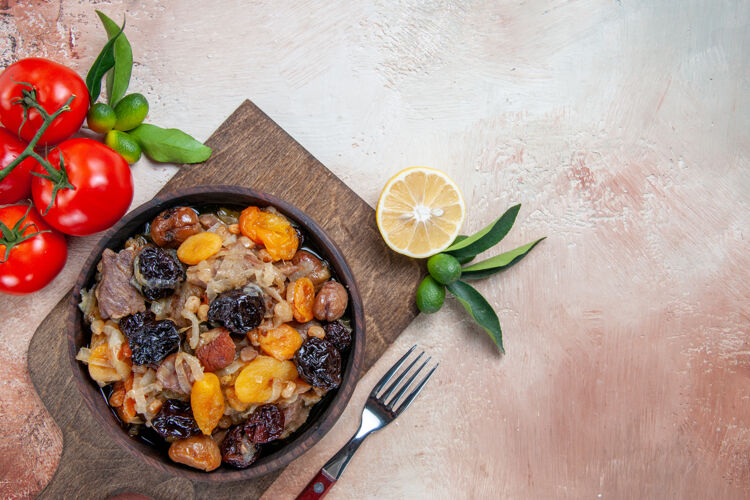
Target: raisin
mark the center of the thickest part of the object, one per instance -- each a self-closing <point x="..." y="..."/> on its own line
<point x="150" y="341"/>
<point x="158" y="272"/>
<point x="200" y="452"/>
<point x="320" y="272"/>
<point x="237" y="450"/>
<point x="173" y="226"/>
<point x="265" y="424"/>
<point x="218" y="353"/>
<point x="338" y="335"/>
<point x="175" y="420"/>
<point x="239" y="310"/>
<point x="319" y="363"/>
<point x="331" y="301"/>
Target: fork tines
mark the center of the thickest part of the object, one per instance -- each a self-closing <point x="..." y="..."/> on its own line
<point x="390" y="402"/>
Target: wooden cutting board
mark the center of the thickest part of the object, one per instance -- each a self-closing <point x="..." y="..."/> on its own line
<point x="250" y="150"/>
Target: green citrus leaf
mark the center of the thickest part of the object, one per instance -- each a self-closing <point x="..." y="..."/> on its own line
<point x="479" y="309"/>
<point x="118" y="78"/>
<point x="486" y="238"/>
<point x="103" y="63"/>
<point x="169" y="145"/>
<point x="498" y="262"/>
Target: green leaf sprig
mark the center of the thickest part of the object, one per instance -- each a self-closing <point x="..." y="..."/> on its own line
<point x="103" y="63"/>
<point x="445" y="271"/>
<point x="119" y="78"/>
<point x="121" y="118"/>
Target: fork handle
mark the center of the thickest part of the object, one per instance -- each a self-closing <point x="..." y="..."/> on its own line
<point x="318" y="487"/>
<point x="331" y="471"/>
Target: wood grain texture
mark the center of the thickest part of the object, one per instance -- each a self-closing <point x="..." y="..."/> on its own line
<point x="249" y="150"/>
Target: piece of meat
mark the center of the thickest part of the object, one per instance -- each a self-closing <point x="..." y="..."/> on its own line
<point x="294" y="416"/>
<point x="117" y="298"/>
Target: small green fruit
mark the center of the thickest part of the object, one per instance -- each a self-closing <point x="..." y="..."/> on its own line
<point x="101" y="118"/>
<point x="430" y="295"/>
<point x="123" y="143"/>
<point x="444" y="268"/>
<point x="130" y="111"/>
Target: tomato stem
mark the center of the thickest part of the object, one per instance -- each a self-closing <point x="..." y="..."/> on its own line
<point x="14" y="236"/>
<point x="29" y="100"/>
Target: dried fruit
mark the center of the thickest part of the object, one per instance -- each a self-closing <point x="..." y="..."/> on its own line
<point x="173" y="226"/>
<point x="320" y="272"/>
<point x="207" y="402"/>
<point x="239" y="310"/>
<point x="237" y="450"/>
<point x="319" y="363"/>
<point x="230" y="396"/>
<point x="175" y="420"/>
<point x="126" y="408"/>
<point x="265" y="424"/>
<point x="150" y="341"/>
<point x="281" y="342"/>
<point x="103" y="368"/>
<point x="331" y="301"/>
<point x="199" y="247"/>
<point x="218" y="353"/>
<point x="338" y="335"/>
<point x="255" y="383"/>
<point x="303" y="297"/>
<point x="158" y="272"/>
<point x="274" y="231"/>
<point x="199" y="452"/>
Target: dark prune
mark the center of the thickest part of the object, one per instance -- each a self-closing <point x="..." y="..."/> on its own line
<point x="174" y="225"/>
<point x="150" y="341"/>
<point x="175" y="420"/>
<point x="338" y="335"/>
<point x="319" y="363"/>
<point x="157" y="272"/>
<point x="239" y="311"/>
<point x="237" y="450"/>
<point x="265" y="424"/>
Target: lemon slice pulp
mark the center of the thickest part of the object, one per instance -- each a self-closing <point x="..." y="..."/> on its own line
<point x="420" y="212"/>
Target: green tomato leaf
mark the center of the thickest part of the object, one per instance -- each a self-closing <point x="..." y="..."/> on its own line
<point x="479" y="309"/>
<point x="118" y="78"/>
<point x="498" y="262"/>
<point x="169" y="145"/>
<point x="468" y="248"/>
<point x="103" y="63"/>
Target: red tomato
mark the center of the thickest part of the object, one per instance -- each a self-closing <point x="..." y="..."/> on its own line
<point x="17" y="185"/>
<point x="33" y="263"/>
<point x="102" y="192"/>
<point x="54" y="84"/>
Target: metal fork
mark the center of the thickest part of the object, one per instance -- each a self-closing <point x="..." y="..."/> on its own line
<point x="380" y="410"/>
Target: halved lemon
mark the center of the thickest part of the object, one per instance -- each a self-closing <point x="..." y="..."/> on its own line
<point x="420" y="212"/>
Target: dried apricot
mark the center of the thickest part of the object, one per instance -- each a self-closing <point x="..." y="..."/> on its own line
<point x="106" y="368"/>
<point x="231" y="397"/>
<point x="207" y="402"/>
<point x="125" y="410"/>
<point x="199" y="452"/>
<point x="255" y="383"/>
<point x="274" y="231"/>
<point x="199" y="247"/>
<point x="303" y="298"/>
<point x="281" y="342"/>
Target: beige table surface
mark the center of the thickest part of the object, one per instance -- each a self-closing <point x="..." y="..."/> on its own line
<point x="623" y="128"/>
